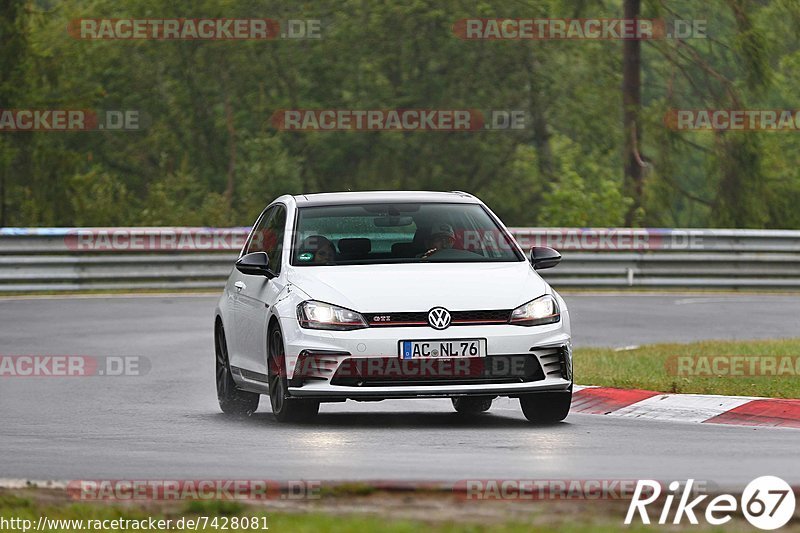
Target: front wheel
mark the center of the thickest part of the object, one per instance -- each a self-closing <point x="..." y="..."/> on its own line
<point x="232" y="400"/>
<point x="546" y="407"/>
<point x="284" y="407"/>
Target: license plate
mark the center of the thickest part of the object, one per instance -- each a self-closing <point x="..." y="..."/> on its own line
<point x="445" y="348"/>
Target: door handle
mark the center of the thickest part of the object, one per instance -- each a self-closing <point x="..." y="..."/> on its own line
<point x="240" y="285"/>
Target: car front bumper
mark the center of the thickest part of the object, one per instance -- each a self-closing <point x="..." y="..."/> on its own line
<point x="548" y="345"/>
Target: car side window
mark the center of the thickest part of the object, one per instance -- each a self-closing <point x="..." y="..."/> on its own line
<point x="276" y="228"/>
<point x="257" y="239"/>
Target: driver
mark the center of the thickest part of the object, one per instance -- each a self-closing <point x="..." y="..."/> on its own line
<point x="442" y="237"/>
<point x="321" y="247"/>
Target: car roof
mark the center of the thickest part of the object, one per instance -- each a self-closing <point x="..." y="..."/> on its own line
<point x="365" y="197"/>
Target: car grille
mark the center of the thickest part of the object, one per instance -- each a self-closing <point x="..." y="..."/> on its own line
<point x="392" y="371"/>
<point x="420" y="318"/>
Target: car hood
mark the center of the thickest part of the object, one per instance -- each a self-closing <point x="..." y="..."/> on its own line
<point x="419" y="287"/>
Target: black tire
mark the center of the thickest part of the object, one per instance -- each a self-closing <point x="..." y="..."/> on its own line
<point x="472" y="405"/>
<point x="546" y="407"/>
<point x="284" y="407"/>
<point x="232" y="400"/>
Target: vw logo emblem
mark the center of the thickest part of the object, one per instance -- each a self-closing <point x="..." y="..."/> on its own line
<point x="439" y="318"/>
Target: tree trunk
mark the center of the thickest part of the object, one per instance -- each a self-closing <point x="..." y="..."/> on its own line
<point x="540" y="136"/>
<point x="632" y="103"/>
<point x="232" y="152"/>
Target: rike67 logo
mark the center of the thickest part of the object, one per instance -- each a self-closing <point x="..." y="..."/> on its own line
<point x="767" y="502"/>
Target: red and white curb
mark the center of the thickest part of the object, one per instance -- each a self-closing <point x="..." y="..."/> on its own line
<point x="702" y="408"/>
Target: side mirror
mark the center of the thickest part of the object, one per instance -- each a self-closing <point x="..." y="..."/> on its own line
<point x="544" y="257"/>
<point x="254" y="264"/>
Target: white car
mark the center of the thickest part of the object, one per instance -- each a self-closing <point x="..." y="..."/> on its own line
<point x="374" y="295"/>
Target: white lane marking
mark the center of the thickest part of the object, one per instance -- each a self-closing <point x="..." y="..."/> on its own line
<point x="688" y="301"/>
<point x="681" y="407"/>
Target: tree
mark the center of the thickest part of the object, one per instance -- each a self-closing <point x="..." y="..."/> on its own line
<point x="631" y="110"/>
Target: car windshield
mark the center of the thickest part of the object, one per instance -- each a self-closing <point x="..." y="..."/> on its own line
<point x="399" y="233"/>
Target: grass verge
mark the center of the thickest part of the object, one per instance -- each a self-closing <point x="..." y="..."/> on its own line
<point x="383" y="512"/>
<point x="708" y="367"/>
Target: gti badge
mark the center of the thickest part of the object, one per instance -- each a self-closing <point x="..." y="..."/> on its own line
<point x="439" y="318"/>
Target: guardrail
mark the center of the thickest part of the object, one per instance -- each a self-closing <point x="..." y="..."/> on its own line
<point x="69" y="259"/>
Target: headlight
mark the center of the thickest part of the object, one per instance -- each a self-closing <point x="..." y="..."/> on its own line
<point x="319" y="315"/>
<point x="542" y="310"/>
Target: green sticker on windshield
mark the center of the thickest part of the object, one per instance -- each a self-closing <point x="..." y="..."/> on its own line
<point x="305" y="256"/>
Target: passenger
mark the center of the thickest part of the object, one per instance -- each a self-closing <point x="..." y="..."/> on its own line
<point x="442" y="237"/>
<point x="321" y="247"/>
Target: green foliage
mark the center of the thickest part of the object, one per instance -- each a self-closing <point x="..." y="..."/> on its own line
<point x="267" y="170"/>
<point x="586" y="191"/>
<point x="99" y="199"/>
<point x="209" y="156"/>
<point x="180" y="199"/>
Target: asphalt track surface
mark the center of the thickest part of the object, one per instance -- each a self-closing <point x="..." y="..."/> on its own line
<point x="166" y="424"/>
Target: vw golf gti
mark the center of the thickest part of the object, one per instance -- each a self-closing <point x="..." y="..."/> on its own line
<point x="375" y="295"/>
